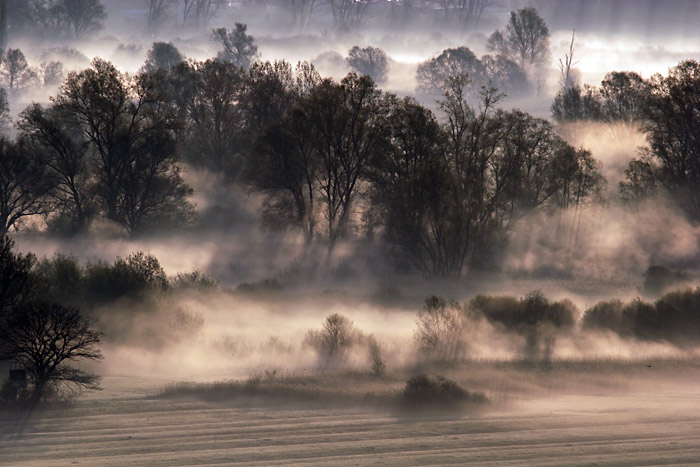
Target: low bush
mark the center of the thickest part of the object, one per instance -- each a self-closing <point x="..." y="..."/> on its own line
<point x="425" y="393"/>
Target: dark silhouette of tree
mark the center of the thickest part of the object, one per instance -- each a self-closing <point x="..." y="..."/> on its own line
<point x="433" y="74"/>
<point x="162" y="56"/>
<point x="82" y="16"/>
<point x="672" y="116"/>
<point x="348" y="122"/>
<point x="64" y="152"/>
<point x="577" y="104"/>
<point x="211" y="94"/>
<point x="285" y="162"/>
<point x="4" y="111"/>
<point x="370" y="61"/>
<point x="525" y="39"/>
<point x="23" y="187"/>
<point x="44" y="338"/>
<point x="622" y="96"/>
<point x="17" y="280"/>
<point x="132" y="131"/>
<point x="269" y="92"/>
<point x="239" y="47"/>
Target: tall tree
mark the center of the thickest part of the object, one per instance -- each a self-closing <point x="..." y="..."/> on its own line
<point x="65" y="154"/>
<point x="130" y="125"/>
<point x="302" y="11"/>
<point x="16" y="70"/>
<point x="162" y="56"/>
<point x="433" y="75"/>
<point x="239" y="46"/>
<point x="157" y="12"/>
<point x="525" y="39"/>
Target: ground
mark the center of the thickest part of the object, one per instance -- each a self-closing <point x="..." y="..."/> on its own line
<point x="655" y="424"/>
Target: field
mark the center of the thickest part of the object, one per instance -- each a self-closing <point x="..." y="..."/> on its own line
<point x="601" y="413"/>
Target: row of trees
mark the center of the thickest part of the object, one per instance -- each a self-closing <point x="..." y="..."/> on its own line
<point x="666" y="108"/>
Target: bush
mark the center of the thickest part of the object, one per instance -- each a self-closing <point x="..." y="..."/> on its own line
<point x="194" y="280"/>
<point x="440" y="333"/>
<point x="336" y="336"/>
<point x="135" y="275"/>
<point x="439" y="393"/>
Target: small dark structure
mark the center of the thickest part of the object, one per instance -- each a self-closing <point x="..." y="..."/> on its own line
<point x="18" y="375"/>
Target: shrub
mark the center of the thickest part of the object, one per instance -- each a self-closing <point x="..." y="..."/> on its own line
<point x="440" y="333"/>
<point x="439" y="393"/>
<point x="194" y="280"/>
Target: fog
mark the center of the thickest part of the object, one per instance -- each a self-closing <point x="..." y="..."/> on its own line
<point x="274" y="289"/>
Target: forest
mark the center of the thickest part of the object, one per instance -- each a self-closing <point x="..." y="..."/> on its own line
<point x="326" y="181"/>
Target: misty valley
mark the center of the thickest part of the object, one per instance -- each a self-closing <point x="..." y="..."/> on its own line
<point x="331" y="232"/>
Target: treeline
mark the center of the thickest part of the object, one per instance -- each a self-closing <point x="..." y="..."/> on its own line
<point x="666" y="109"/>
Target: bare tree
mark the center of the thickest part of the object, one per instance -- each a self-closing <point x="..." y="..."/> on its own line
<point x="348" y="13"/>
<point x="16" y="70"/>
<point x="44" y="338"/>
<point x="567" y="79"/>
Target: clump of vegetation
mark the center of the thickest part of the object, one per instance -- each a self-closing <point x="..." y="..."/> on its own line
<point x="425" y="393"/>
<point x="337" y="335"/>
<point x="195" y="280"/>
<point x="440" y="333"/>
<point x="674" y="318"/>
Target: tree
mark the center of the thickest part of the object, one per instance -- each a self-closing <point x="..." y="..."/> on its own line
<point x="433" y="74"/>
<point x="577" y="104"/>
<point x="284" y="164"/>
<point x="83" y="16"/>
<point x="347" y="121"/>
<point x="199" y="12"/>
<point x="157" y="12"/>
<point x="131" y="128"/>
<point x="3" y="27"/>
<point x="504" y="75"/>
<point x="440" y="333"/>
<point x="44" y="338"/>
<point x="302" y="11"/>
<point x="525" y="39"/>
<point x="672" y="119"/>
<point x="17" y="280"/>
<point x="23" y="187"/>
<point x="162" y="56"/>
<point x="622" y="96"/>
<point x="16" y="70"/>
<point x="239" y="47"/>
<point x="211" y="93"/>
<point x="469" y="12"/>
<point x="370" y="61"/>
<point x="64" y="152"/>
<point x="348" y="13"/>
<point x="52" y="73"/>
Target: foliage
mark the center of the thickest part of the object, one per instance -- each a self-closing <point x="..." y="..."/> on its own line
<point x="370" y="61"/>
<point x="433" y="75"/>
<point x="337" y="335"/>
<point x="17" y="279"/>
<point x="162" y="56"/>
